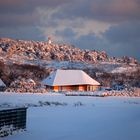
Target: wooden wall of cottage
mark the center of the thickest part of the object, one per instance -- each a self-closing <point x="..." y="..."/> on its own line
<point x="75" y="88"/>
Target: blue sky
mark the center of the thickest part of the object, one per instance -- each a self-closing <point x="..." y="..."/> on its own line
<point x="109" y="25"/>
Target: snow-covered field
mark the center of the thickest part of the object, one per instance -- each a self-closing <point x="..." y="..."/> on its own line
<point x="59" y="117"/>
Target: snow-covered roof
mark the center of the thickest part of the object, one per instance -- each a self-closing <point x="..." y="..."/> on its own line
<point x="2" y="83"/>
<point x="69" y="77"/>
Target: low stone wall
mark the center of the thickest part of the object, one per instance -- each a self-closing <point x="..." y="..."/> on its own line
<point x="133" y="93"/>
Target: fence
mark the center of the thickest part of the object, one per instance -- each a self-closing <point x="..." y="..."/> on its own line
<point x="12" y="119"/>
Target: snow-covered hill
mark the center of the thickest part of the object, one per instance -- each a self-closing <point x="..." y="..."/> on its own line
<point x="35" y="60"/>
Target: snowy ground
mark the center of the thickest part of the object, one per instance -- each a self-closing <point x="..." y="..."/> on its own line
<point x="76" y="118"/>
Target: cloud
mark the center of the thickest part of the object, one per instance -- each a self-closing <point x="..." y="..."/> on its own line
<point x="101" y="10"/>
<point x="79" y="26"/>
<point x="116" y="10"/>
<point x="25" y="6"/>
<point x="87" y="17"/>
<point x="24" y="12"/>
<point x="97" y="10"/>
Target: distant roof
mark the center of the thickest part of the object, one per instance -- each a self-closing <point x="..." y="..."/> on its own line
<point x="69" y="77"/>
<point x="2" y="83"/>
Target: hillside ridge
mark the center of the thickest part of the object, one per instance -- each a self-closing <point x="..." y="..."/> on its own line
<point x="24" y="64"/>
<point x="31" y="50"/>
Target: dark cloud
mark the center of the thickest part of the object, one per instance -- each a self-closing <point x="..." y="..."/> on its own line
<point x="19" y="12"/>
<point x="23" y="12"/>
<point x="116" y="10"/>
<point x="102" y="10"/>
<point x="25" y="6"/>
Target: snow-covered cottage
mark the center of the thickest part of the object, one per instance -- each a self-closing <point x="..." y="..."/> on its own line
<point x="2" y="85"/>
<point x="70" y="80"/>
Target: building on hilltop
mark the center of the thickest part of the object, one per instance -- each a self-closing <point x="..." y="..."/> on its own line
<point x="49" y="40"/>
<point x="70" y="80"/>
